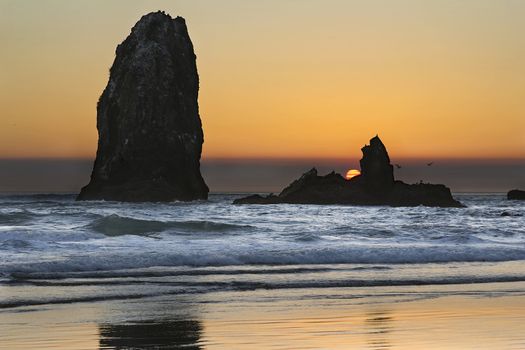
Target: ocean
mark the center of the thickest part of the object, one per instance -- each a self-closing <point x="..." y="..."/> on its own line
<point x="174" y="271"/>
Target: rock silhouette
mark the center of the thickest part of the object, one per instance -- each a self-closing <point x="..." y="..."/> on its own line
<point x="516" y="194"/>
<point x="376" y="171"/>
<point x="150" y="133"/>
<point x="375" y="186"/>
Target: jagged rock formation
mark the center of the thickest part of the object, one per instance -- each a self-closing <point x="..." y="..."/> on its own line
<point x="376" y="171"/>
<point x="375" y="186"/>
<point x="516" y="194"/>
<point x="150" y="133"/>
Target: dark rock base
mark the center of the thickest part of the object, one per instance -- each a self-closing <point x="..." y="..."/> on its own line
<point x="141" y="191"/>
<point x="516" y="194"/>
<point x="334" y="189"/>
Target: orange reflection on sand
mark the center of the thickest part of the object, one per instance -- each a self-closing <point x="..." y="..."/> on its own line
<point x="445" y="323"/>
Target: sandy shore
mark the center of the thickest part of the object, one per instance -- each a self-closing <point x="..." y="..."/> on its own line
<point x="475" y="316"/>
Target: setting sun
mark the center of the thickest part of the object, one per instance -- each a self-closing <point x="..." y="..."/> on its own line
<point x="352" y="173"/>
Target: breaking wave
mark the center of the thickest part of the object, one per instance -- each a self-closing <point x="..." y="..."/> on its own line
<point x="115" y="225"/>
<point x="54" y="242"/>
<point x="272" y="255"/>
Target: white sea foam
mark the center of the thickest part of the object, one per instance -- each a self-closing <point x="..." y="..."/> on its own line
<point x="50" y="233"/>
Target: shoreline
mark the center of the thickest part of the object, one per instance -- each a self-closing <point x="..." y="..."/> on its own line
<point x="430" y="317"/>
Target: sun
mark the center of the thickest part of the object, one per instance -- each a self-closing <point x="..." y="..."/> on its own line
<point x="352" y="173"/>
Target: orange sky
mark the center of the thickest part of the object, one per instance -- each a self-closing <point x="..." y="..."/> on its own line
<point x="283" y="78"/>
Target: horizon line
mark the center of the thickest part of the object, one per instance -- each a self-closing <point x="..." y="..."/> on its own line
<point x="283" y="158"/>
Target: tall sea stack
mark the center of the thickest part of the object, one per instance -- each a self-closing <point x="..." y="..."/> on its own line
<point x="150" y="132"/>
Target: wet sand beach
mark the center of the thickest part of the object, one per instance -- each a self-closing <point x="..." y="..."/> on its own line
<point x="474" y="316"/>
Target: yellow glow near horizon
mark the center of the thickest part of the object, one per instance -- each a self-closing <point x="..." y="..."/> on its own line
<point x="352" y="173"/>
<point x="433" y="78"/>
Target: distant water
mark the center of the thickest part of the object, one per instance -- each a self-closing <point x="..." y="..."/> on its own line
<point x="139" y="250"/>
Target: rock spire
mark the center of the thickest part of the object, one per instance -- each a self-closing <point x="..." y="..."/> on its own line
<point x="150" y="133"/>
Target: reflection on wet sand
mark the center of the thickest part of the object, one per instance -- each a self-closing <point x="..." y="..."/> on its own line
<point x="466" y="317"/>
<point x="379" y="325"/>
<point x="152" y="335"/>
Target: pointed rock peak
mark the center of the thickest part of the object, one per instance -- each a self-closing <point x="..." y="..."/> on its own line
<point x="376" y="169"/>
<point x="157" y="26"/>
<point x="376" y="146"/>
<point x="157" y="15"/>
<point x="310" y="173"/>
<point x="298" y="184"/>
<point x="156" y="19"/>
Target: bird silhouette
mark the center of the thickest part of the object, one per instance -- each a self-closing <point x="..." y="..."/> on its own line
<point x="398" y="166"/>
<point x="429" y="164"/>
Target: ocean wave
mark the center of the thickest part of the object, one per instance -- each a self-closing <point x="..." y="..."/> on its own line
<point x="112" y="236"/>
<point x="9" y="304"/>
<point x="184" y="255"/>
<point x="15" y="243"/>
<point x="39" y="197"/>
<point x="15" y="218"/>
<point x="305" y="237"/>
<point x="494" y="212"/>
<point x="138" y="273"/>
<point x="115" y="225"/>
<point x="19" y="277"/>
<point x="162" y="288"/>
